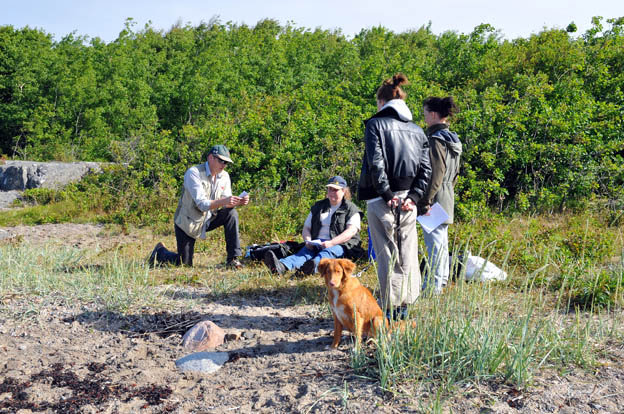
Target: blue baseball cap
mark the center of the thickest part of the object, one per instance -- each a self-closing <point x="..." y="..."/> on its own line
<point x="337" y="182"/>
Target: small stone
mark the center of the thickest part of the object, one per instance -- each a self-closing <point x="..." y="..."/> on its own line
<point x="205" y="362"/>
<point x="248" y="335"/>
<point x="203" y="336"/>
<point x="232" y="337"/>
<point x="4" y="234"/>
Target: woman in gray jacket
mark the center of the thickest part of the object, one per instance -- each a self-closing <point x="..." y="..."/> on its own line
<point x="445" y="149"/>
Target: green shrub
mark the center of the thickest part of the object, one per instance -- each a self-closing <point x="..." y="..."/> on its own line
<point x="43" y="196"/>
<point x="600" y="290"/>
<point x="540" y="117"/>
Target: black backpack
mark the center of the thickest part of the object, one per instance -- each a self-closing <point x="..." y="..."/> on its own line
<point x="281" y="249"/>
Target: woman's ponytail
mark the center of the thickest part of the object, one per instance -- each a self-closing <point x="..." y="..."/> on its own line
<point x="391" y="88"/>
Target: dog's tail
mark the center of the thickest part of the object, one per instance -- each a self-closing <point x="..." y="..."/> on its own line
<point x="379" y="324"/>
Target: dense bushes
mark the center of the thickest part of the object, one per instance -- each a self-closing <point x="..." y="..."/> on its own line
<point x="541" y="117"/>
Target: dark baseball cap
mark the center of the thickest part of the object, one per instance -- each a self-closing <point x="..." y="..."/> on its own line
<point x="221" y="152"/>
<point x="337" y="182"/>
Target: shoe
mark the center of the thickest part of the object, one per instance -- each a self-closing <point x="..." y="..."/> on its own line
<point x="308" y="268"/>
<point x="234" y="263"/>
<point x="298" y="274"/>
<point x="151" y="261"/>
<point x="397" y="314"/>
<point x="273" y="263"/>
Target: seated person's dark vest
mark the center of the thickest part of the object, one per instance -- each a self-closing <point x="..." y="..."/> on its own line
<point x="338" y="224"/>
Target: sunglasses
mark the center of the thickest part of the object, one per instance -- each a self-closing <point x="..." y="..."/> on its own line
<point x="221" y="161"/>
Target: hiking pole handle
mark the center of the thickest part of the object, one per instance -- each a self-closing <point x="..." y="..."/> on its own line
<point x="397" y="229"/>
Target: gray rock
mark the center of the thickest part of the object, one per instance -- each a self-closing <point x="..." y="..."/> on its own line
<point x="13" y="178"/>
<point x="22" y="175"/>
<point x="205" y="362"/>
<point x="7" y="197"/>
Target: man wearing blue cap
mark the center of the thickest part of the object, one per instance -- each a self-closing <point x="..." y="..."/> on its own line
<point x="331" y="230"/>
<point x="206" y="203"/>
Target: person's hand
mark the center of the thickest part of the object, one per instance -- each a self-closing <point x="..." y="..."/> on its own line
<point x="424" y="210"/>
<point x="232" y="201"/>
<point x="408" y="205"/>
<point x="244" y="200"/>
<point x="326" y="244"/>
<point x="394" y="202"/>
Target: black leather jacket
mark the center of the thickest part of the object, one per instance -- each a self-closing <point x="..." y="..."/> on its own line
<point x="396" y="158"/>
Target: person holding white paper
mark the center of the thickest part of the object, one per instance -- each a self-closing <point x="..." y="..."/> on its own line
<point x="331" y="231"/>
<point x="206" y="203"/>
<point x="445" y="149"/>
<point x="433" y="218"/>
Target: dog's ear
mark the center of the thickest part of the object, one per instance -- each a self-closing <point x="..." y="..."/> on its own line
<point x="322" y="266"/>
<point x="347" y="266"/>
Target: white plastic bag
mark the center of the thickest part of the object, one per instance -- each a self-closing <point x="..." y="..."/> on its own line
<point x="477" y="268"/>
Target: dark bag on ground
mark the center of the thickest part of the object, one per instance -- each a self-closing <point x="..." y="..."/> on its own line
<point x="356" y="253"/>
<point x="281" y="249"/>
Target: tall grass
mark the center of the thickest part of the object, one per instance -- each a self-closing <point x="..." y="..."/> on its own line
<point x="119" y="280"/>
<point x="504" y="330"/>
<point x="46" y="270"/>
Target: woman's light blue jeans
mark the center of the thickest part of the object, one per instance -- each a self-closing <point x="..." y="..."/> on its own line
<point x="295" y="261"/>
<point x="437" y="258"/>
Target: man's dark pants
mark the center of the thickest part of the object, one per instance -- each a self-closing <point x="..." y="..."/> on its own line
<point x="226" y="217"/>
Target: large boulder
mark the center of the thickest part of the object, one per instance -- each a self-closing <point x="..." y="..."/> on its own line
<point x="23" y="175"/>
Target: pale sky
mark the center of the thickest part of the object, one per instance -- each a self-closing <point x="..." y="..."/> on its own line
<point x="105" y="19"/>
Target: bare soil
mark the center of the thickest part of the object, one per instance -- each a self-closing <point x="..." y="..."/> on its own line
<point x="75" y="358"/>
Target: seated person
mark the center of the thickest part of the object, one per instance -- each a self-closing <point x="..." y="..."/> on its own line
<point x="331" y="231"/>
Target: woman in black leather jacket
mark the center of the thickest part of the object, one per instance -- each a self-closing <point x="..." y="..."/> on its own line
<point x="395" y="173"/>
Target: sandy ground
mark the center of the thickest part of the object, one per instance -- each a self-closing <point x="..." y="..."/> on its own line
<point x="71" y="358"/>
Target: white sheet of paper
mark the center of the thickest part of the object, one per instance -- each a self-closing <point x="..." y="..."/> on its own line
<point x="243" y="194"/>
<point x="315" y="242"/>
<point x="436" y="216"/>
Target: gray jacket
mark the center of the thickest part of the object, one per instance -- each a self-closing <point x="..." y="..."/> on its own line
<point x="445" y="149"/>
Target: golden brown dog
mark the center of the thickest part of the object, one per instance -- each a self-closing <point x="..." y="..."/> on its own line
<point x="353" y="306"/>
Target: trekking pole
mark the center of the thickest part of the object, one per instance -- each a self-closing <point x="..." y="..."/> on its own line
<point x="397" y="229"/>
